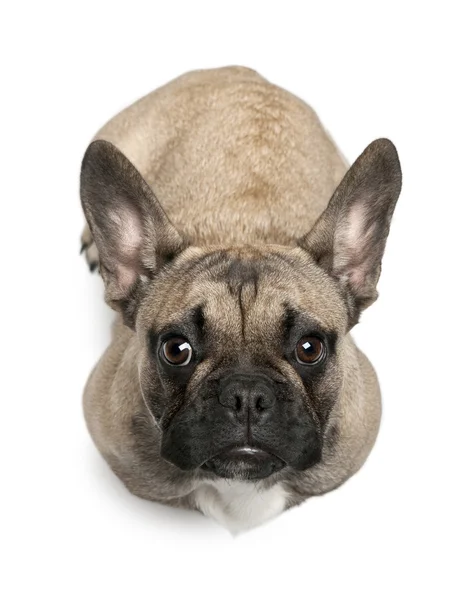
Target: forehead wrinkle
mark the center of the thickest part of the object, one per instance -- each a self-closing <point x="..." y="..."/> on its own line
<point x="320" y="303"/>
<point x="260" y="282"/>
<point x="222" y="315"/>
<point x="304" y="293"/>
<point x="312" y="292"/>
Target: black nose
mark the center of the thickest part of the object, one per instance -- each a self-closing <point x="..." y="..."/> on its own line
<point x="247" y="394"/>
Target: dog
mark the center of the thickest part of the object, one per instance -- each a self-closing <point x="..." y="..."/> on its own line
<point x="238" y="251"/>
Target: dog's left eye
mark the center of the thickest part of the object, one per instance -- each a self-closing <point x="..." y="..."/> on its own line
<point x="309" y="350"/>
<point x="177" y="351"/>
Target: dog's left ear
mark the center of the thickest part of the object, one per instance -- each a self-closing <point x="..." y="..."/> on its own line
<point x="348" y="239"/>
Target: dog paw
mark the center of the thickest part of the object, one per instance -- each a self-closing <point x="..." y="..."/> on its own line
<point x="89" y="249"/>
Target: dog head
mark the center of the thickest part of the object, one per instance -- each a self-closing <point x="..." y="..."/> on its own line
<point x="239" y="347"/>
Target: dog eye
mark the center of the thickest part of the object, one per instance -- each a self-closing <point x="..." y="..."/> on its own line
<point x="177" y="351"/>
<point x="309" y="350"/>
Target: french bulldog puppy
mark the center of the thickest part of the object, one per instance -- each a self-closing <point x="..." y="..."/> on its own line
<point x="238" y="250"/>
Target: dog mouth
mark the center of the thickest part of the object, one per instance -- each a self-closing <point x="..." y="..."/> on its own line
<point x="244" y="463"/>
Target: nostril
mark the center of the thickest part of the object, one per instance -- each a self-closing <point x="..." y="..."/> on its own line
<point x="262" y="403"/>
<point x="232" y="400"/>
<point x="246" y="396"/>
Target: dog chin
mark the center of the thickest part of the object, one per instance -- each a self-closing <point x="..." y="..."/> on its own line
<point x="244" y="464"/>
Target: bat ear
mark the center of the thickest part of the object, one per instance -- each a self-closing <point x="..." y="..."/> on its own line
<point x="132" y="232"/>
<point x="349" y="238"/>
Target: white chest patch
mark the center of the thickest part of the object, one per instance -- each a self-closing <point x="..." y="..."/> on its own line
<point x="239" y="505"/>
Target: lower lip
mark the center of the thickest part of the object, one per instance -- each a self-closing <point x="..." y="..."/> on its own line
<point x="244" y="451"/>
<point x="247" y="450"/>
<point x="251" y="462"/>
<point x="247" y="454"/>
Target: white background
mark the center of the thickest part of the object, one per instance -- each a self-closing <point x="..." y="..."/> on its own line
<point x="69" y="528"/>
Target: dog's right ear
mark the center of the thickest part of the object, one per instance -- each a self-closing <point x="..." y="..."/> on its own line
<point x="132" y="232"/>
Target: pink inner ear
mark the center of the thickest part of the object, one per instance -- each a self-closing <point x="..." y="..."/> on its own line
<point x="356" y="278"/>
<point x="354" y="229"/>
<point x="126" y="277"/>
<point x="128" y="242"/>
<point x="351" y="248"/>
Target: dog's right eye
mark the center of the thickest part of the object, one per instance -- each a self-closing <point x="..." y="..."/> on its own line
<point x="177" y="351"/>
